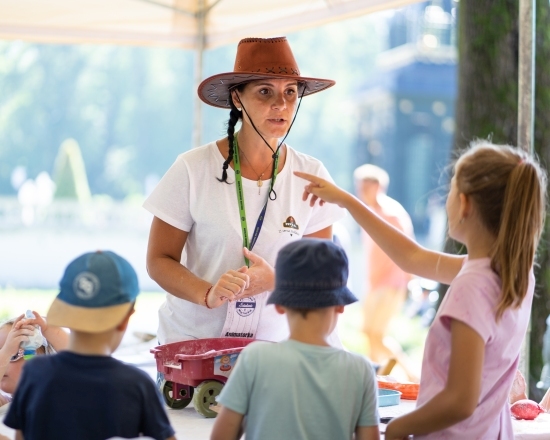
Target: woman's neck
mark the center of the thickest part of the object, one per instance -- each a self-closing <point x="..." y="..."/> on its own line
<point x="254" y="147"/>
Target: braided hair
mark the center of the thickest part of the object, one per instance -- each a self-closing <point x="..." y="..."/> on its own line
<point x="234" y="116"/>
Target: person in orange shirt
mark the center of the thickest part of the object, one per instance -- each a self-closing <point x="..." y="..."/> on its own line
<point x="386" y="283"/>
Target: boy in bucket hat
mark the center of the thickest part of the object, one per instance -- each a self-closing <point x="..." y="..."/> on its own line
<point x="83" y="393"/>
<point x="303" y="388"/>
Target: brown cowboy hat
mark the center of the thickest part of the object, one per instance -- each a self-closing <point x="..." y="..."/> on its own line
<point x="258" y="58"/>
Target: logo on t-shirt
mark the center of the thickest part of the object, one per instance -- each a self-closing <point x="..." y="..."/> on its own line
<point x="245" y="306"/>
<point x="291" y="223"/>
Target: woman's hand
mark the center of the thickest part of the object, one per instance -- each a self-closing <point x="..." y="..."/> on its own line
<point x="260" y="273"/>
<point x="321" y="190"/>
<point x="229" y="286"/>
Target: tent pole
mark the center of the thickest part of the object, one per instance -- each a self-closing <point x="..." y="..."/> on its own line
<point x="526" y="77"/>
<point x="526" y="117"/>
<point x="199" y="53"/>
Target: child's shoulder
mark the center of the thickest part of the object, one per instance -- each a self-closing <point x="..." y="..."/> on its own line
<point x="257" y="347"/>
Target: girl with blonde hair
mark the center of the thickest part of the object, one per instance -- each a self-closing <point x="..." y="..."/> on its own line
<point x="496" y="208"/>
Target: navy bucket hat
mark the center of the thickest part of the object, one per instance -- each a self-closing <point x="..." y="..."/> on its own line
<point x="311" y="273"/>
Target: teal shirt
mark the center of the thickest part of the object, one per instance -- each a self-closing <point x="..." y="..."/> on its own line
<point x="293" y="391"/>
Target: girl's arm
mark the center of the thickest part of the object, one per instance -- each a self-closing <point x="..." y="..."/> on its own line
<point x="404" y="251"/>
<point x="459" y="399"/>
<point x="228" y="425"/>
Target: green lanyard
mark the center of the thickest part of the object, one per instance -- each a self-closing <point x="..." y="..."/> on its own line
<point x="240" y="199"/>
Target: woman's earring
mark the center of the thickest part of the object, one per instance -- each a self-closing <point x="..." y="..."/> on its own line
<point x="238" y="109"/>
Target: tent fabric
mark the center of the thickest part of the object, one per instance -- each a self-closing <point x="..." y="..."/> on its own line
<point x="171" y="23"/>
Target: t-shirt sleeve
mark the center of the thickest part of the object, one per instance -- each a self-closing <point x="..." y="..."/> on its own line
<point x="472" y="301"/>
<point x="154" y="422"/>
<point x="235" y="394"/>
<point x="326" y="215"/>
<point x="369" y="411"/>
<point x="169" y="201"/>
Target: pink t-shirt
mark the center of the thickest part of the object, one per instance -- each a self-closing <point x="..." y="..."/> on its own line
<point x="472" y="298"/>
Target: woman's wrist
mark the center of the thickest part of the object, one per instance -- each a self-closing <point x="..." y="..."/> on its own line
<point x="206" y="297"/>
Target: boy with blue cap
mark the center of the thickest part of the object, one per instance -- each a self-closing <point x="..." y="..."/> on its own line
<point x="83" y="393"/>
<point x="303" y="388"/>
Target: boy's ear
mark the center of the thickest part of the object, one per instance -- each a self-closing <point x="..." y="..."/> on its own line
<point x="124" y="324"/>
<point x="339" y="309"/>
<point x="280" y="309"/>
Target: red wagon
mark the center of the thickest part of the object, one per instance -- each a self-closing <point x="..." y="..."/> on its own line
<point x="197" y="370"/>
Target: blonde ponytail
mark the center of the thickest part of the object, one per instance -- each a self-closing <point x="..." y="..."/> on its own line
<point x="508" y="188"/>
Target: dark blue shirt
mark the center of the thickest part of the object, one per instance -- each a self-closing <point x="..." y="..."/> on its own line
<point x="71" y="396"/>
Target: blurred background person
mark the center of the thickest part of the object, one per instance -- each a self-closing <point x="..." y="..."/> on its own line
<point x="386" y="283"/>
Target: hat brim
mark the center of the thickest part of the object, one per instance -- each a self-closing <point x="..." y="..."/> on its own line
<point x="312" y="299"/>
<point x="89" y="320"/>
<point x="214" y="90"/>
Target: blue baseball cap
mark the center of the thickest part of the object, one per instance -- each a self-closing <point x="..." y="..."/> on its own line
<point x="311" y="273"/>
<point x="96" y="293"/>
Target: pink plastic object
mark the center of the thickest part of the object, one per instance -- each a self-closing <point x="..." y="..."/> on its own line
<point x="192" y="362"/>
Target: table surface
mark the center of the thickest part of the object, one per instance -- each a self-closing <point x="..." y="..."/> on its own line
<point x="190" y="425"/>
<point x="538" y="429"/>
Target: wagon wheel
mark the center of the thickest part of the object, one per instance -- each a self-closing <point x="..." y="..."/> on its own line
<point x="167" y="387"/>
<point x="205" y="395"/>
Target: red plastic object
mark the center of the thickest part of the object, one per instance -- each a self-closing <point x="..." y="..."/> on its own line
<point x="192" y="362"/>
<point x="409" y="391"/>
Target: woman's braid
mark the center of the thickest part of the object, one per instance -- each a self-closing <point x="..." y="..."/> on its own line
<point x="234" y="116"/>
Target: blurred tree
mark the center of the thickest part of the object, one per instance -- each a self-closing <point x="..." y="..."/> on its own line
<point x="487" y="107"/>
<point x="69" y="175"/>
<point x="129" y="108"/>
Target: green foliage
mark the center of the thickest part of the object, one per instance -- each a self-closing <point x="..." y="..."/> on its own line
<point x="487" y="106"/>
<point x="488" y="85"/>
<point x="541" y="302"/>
<point x="131" y="108"/>
<point x="128" y="108"/>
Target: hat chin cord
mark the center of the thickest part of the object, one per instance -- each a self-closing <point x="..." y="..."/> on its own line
<point x="272" y="193"/>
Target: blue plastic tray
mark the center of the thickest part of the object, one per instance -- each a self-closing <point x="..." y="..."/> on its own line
<point x="388" y="397"/>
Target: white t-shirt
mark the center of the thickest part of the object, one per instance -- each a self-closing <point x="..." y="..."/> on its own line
<point x="189" y="197"/>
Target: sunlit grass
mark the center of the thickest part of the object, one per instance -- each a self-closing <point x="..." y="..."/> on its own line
<point x="14" y="302"/>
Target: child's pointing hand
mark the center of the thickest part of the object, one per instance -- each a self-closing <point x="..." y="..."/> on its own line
<point x="321" y="189"/>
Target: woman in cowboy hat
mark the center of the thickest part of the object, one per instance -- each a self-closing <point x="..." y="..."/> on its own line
<point x="223" y="210"/>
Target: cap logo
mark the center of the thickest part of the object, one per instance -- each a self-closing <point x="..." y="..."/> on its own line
<point x="86" y="285"/>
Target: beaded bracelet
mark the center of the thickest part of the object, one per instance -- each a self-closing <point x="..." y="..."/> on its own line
<point x="206" y="298"/>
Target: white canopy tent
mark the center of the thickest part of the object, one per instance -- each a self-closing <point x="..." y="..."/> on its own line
<point x="189" y="24"/>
